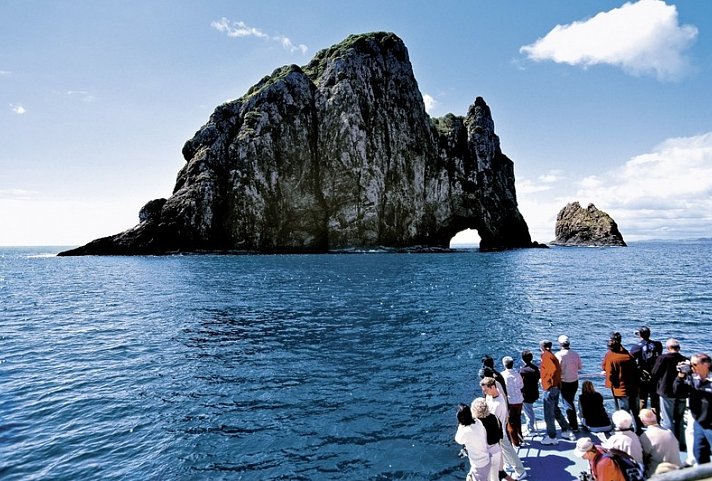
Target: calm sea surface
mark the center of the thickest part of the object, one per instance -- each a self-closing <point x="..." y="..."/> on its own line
<point x="316" y="367"/>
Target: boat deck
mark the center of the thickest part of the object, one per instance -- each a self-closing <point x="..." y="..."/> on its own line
<point x="555" y="462"/>
<point x="552" y="462"/>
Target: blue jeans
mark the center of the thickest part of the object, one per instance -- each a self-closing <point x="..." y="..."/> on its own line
<point x="672" y="415"/>
<point x="552" y="412"/>
<point x="632" y="405"/>
<point x="528" y="410"/>
<point x="702" y="442"/>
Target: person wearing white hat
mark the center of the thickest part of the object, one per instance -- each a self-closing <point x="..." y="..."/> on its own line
<point x="603" y="467"/>
<point x="570" y="363"/>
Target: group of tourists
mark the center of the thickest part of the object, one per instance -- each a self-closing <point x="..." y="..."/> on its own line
<point x="653" y="390"/>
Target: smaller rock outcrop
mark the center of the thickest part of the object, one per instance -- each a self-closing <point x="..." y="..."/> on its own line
<point x="576" y="226"/>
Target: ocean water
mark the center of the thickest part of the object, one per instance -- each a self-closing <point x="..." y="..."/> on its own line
<point x="290" y="367"/>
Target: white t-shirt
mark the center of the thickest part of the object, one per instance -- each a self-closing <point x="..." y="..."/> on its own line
<point x="498" y="407"/>
<point x="570" y="363"/>
<point x="514" y="383"/>
<point x="474" y="438"/>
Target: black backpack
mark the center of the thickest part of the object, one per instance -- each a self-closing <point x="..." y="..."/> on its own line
<point x="648" y="353"/>
<point x="632" y="471"/>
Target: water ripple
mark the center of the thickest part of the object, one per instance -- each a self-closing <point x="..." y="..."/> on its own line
<point x="298" y="367"/>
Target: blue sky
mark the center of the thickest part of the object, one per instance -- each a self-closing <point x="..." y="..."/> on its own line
<point x="594" y="101"/>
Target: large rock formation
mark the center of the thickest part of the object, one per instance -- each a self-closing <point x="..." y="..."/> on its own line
<point x="337" y="154"/>
<point x="576" y="226"/>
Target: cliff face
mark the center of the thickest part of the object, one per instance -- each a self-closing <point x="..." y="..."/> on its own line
<point x="337" y="154"/>
<point x="576" y="226"/>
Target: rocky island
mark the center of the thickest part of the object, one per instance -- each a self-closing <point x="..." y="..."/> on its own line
<point x="337" y="154"/>
<point x="576" y="226"/>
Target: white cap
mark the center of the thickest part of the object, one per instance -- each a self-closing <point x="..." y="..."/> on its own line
<point x="583" y="445"/>
<point x="563" y="339"/>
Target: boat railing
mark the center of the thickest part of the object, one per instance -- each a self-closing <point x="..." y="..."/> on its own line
<point x="694" y="473"/>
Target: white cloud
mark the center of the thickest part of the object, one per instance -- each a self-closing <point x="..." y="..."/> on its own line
<point x="237" y="29"/>
<point x="665" y="193"/>
<point x="430" y="103"/>
<point x="288" y="45"/>
<point x="641" y="38"/>
<point x="5" y="73"/>
<point x="18" y="109"/>
<point x="543" y="183"/>
<point x="17" y="194"/>
<point x="240" y="29"/>
<point x="82" y="94"/>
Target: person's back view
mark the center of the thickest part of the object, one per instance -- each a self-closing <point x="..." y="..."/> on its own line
<point x="593" y="413"/>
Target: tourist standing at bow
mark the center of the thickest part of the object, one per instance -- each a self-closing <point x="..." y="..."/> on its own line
<point x="622" y="377"/>
<point x="645" y="352"/>
<point x="695" y="382"/>
<point x="497" y="404"/>
<point x="672" y="407"/>
<point x="570" y="363"/>
<point x="514" y="383"/>
<point x="530" y="391"/>
<point x="551" y="385"/>
<point x="472" y="434"/>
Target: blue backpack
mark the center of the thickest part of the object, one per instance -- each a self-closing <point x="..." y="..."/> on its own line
<point x="632" y="471"/>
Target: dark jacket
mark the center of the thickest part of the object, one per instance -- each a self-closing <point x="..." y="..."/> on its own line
<point x="700" y="393"/>
<point x="592" y="410"/>
<point x="646" y="353"/>
<point x="530" y="376"/>
<point x="492" y="428"/>
<point x="487" y="371"/>
<point x="664" y="373"/>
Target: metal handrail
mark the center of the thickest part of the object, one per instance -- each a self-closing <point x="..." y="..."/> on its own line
<point x="694" y="473"/>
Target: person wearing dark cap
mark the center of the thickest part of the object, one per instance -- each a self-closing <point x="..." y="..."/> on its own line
<point x="645" y="353"/>
<point x="672" y="407"/>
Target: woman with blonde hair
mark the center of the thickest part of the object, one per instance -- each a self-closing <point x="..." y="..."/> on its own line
<point x="493" y="430"/>
<point x="471" y="433"/>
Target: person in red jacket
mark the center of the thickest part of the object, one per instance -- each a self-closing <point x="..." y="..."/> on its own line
<point x="622" y="378"/>
<point x="603" y="466"/>
<point x="551" y="384"/>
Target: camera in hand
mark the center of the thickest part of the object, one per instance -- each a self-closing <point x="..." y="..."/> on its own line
<point x="684" y="367"/>
<point x="585" y="476"/>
